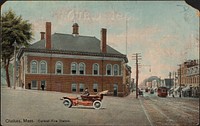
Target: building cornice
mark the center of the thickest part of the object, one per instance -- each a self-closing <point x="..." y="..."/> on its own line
<point x="49" y="51"/>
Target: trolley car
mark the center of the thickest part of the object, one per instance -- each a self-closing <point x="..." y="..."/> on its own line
<point x="162" y="92"/>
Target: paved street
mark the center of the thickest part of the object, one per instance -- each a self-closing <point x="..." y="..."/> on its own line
<point x="171" y="111"/>
<point x="41" y="108"/>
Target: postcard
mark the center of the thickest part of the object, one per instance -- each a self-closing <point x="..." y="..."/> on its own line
<point x="99" y="63"/>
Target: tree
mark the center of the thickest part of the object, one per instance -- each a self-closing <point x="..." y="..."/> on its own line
<point x="14" y="28"/>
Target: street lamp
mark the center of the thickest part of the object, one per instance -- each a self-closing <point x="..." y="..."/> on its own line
<point x="14" y="76"/>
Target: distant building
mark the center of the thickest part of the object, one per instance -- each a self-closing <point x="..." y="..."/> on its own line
<point x="132" y="85"/>
<point x="169" y="83"/>
<point x="154" y="84"/>
<point x="72" y="62"/>
<point x="188" y="75"/>
<point x="149" y="85"/>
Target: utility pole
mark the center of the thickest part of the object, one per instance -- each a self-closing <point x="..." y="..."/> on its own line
<point x="137" y="57"/>
<point x="180" y="80"/>
<point x="174" y="75"/>
<point x="170" y="74"/>
<point x="175" y="79"/>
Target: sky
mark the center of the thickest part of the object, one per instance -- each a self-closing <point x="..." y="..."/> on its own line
<point x="164" y="33"/>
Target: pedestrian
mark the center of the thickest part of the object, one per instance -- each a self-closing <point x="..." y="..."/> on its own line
<point x="42" y="86"/>
<point x="22" y="85"/>
<point x="29" y="85"/>
<point x="173" y="94"/>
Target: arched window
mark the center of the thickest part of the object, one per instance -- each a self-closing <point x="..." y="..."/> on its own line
<point x="81" y="68"/>
<point x="73" y="68"/>
<point x="116" y="69"/>
<point x="59" y="68"/>
<point x="109" y="69"/>
<point x="34" y="67"/>
<point x="43" y="67"/>
<point x="95" y="69"/>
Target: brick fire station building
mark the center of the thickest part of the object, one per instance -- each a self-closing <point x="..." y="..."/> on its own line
<point x="71" y="62"/>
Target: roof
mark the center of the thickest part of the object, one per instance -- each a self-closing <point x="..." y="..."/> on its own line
<point x="68" y="42"/>
<point x="72" y="45"/>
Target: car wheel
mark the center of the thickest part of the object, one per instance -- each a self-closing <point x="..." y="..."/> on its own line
<point x="67" y="103"/>
<point x="97" y="104"/>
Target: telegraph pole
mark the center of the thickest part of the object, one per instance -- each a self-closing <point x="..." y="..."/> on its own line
<point x="175" y="79"/>
<point x="170" y="74"/>
<point x="137" y="57"/>
<point x="180" y="80"/>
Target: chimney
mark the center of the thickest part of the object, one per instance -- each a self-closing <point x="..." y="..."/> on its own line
<point x="75" y="29"/>
<point x="48" y="35"/>
<point x="103" y="40"/>
<point x="42" y="35"/>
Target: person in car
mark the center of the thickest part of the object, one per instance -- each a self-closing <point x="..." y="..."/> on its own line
<point x="86" y="92"/>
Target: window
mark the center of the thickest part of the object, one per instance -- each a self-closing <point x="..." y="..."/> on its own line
<point x="33" y="84"/>
<point x="95" y="69"/>
<point x="81" y="87"/>
<point x="73" y="68"/>
<point x="43" y="67"/>
<point x="163" y="91"/>
<point x="95" y="87"/>
<point x="59" y="68"/>
<point x="109" y="69"/>
<point x="81" y="68"/>
<point x="192" y="71"/>
<point x="196" y="69"/>
<point x="33" y="67"/>
<point x="116" y="69"/>
<point x="188" y="71"/>
<point x="73" y="87"/>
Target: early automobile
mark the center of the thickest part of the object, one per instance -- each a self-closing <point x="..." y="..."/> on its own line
<point x="151" y="91"/>
<point x="91" y="100"/>
<point x="140" y="92"/>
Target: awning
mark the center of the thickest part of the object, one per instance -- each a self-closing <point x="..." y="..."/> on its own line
<point x="186" y="88"/>
<point x="177" y="88"/>
<point x="172" y="89"/>
<point x="154" y="88"/>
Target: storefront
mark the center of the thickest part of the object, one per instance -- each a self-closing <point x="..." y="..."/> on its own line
<point x="187" y="91"/>
<point x="195" y="91"/>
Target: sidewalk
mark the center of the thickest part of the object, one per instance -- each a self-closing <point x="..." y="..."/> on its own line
<point x="177" y="96"/>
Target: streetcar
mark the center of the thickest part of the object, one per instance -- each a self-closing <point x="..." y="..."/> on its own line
<point x="162" y="92"/>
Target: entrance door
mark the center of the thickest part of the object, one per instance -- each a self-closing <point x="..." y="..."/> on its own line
<point x="115" y="90"/>
<point x="43" y="85"/>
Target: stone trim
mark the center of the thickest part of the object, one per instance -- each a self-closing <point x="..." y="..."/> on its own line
<point x="72" y="53"/>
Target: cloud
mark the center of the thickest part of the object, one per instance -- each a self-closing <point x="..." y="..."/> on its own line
<point x="161" y="51"/>
<point x="160" y="48"/>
